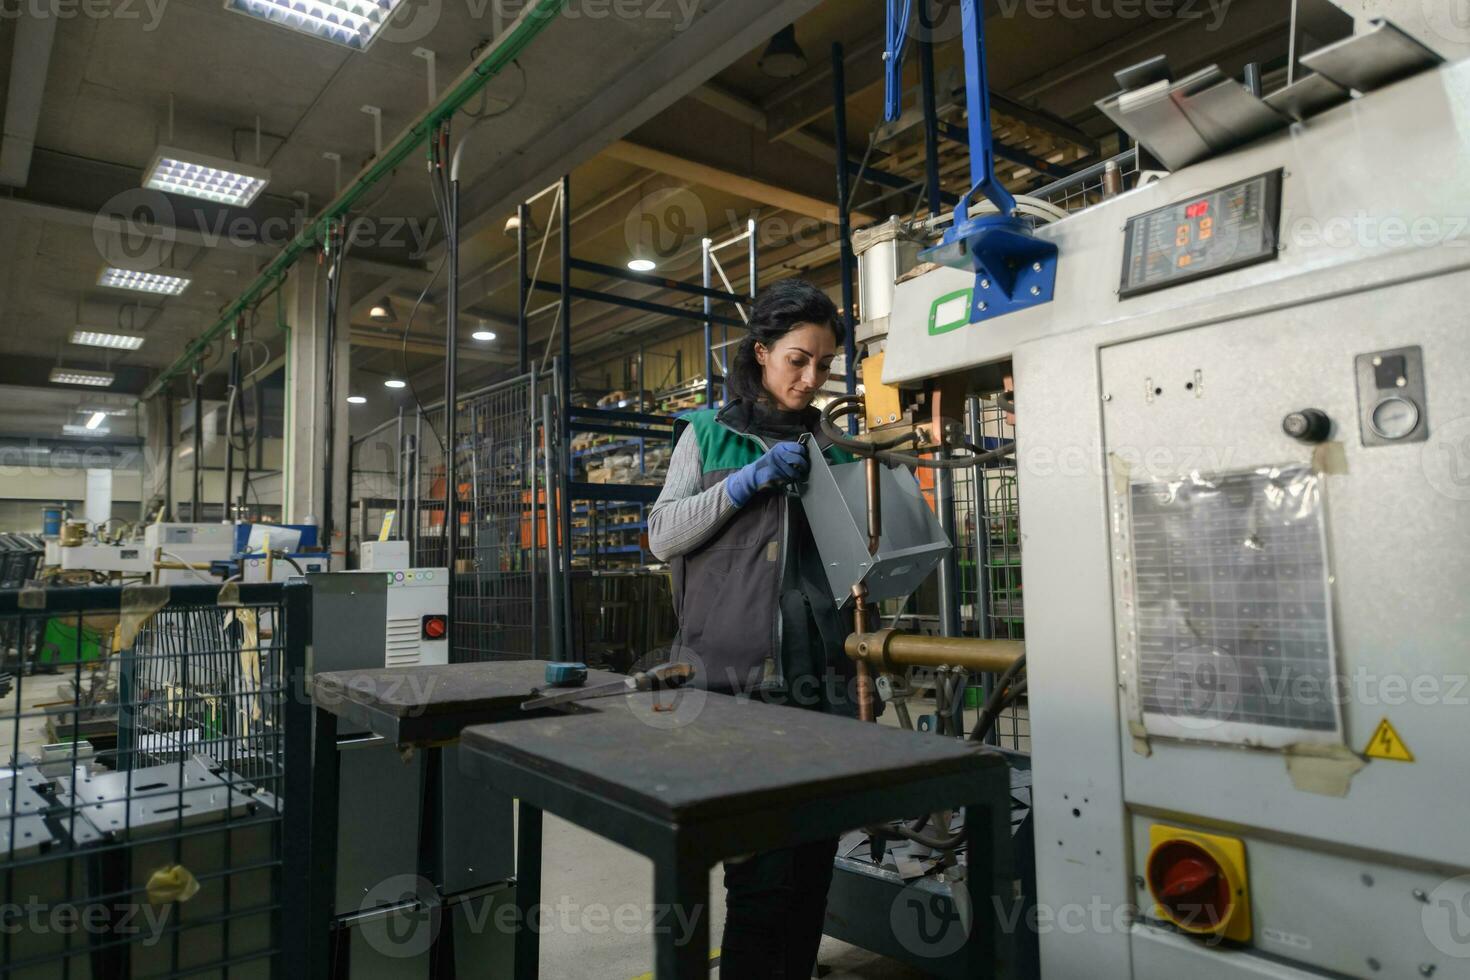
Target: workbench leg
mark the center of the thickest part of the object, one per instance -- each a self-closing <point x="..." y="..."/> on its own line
<point x="528" y="892"/>
<point x="681" y="917"/>
<point x="432" y="865"/>
<point x="322" y="882"/>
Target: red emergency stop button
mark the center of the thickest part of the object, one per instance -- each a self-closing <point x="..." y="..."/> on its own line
<point x="1199" y="882"/>
<point x="1190" y="886"/>
<point x="435" y="627"/>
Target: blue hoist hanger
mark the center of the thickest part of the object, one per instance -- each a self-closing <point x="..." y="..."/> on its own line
<point x="1013" y="268"/>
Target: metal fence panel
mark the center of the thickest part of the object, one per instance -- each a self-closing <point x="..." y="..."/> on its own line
<point x="142" y="826"/>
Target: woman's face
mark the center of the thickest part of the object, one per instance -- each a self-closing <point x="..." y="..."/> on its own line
<point x="796" y="366"/>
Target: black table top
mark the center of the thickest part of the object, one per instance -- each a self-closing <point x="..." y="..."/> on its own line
<point x="715" y="756"/>
<point x="434" y="702"/>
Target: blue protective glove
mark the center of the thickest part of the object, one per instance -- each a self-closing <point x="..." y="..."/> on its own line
<point x="785" y="462"/>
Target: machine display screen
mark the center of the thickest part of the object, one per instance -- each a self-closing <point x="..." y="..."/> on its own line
<point x="1225" y="229"/>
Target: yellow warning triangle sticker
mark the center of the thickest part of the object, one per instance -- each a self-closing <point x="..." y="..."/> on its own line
<point x="1386" y="744"/>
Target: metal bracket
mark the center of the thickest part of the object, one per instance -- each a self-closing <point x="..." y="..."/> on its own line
<point x="1013" y="269"/>
<point x="336" y="159"/>
<point x="428" y="56"/>
<point x="377" y="115"/>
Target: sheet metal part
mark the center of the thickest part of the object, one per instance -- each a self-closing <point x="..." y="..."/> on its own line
<point x="153" y="799"/>
<point x="1306" y="97"/>
<point x="1157" y="122"/>
<point x="1227" y="115"/>
<point x="1377" y="57"/>
<point x="910" y="541"/>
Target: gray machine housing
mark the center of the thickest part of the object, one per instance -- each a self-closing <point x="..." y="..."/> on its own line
<point x="381" y="792"/>
<point x="1350" y="858"/>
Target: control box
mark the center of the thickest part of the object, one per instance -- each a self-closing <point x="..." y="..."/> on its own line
<point x="367" y="619"/>
<point x="384" y="556"/>
<point x="126" y="559"/>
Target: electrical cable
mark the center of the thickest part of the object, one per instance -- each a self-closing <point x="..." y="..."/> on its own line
<point x="851" y="405"/>
<point x="280" y="555"/>
<point x="335" y="263"/>
<point x="188" y="566"/>
<point x="403" y="349"/>
<point x="864" y="449"/>
<point x="485" y="98"/>
<point x="1006" y="690"/>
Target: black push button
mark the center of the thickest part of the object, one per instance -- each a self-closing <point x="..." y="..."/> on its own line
<point x="1308" y="425"/>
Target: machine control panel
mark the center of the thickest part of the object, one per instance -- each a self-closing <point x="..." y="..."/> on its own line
<point x="1392" y="407"/>
<point x="1228" y="228"/>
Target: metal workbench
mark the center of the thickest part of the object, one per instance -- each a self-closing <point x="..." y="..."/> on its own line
<point x="425" y="709"/>
<point x="692" y="778"/>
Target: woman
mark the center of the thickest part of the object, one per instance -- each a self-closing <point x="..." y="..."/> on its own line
<point x="755" y="613"/>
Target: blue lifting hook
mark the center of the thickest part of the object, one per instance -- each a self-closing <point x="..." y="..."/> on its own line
<point x="1013" y="268"/>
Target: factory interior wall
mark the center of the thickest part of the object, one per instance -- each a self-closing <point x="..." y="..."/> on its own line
<point x="24" y="489"/>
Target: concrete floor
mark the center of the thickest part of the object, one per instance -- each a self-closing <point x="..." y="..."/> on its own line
<point x="598" y="895"/>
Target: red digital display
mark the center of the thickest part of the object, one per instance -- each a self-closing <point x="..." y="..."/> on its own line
<point x="1197" y="210"/>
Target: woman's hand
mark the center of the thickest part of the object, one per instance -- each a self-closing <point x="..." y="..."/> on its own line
<point x="784" y="463"/>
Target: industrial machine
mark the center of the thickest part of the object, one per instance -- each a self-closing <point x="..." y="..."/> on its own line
<point x="1242" y="455"/>
<point x="276" y="552"/>
<point x="392" y="867"/>
<point x="184" y="550"/>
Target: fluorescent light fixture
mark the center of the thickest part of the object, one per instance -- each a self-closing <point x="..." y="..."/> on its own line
<point x="395" y="383"/>
<point x="208" y="178"/>
<point x="96" y="338"/>
<point x="642" y="265"/>
<point x="350" y="23"/>
<point x="83" y="430"/>
<point x="97" y="419"/>
<point x="143" y="282"/>
<point x="356" y="400"/>
<point x="70" y="376"/>
<point x="484" y="335"/>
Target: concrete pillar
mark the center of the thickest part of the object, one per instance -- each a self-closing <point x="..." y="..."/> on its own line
<point x="304" y="295"/>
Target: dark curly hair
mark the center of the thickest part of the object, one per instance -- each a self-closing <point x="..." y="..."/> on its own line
<point x="778" y="309"/>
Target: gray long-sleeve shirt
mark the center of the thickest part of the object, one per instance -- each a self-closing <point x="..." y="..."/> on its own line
<point x="686" y="515"/>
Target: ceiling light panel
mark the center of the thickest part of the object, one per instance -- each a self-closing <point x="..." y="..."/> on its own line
<point x="143" y="282"/>
<point x="72" y="376"/>
<point x="82" y="430"/>
<point x="208" y="178"/>
<point x="114" y="341"/>
<point x="350" y="23"/>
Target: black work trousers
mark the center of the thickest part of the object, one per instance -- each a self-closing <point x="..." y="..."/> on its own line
<point x="775" y="906"/>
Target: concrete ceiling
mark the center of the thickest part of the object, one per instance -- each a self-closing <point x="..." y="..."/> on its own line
<point x="640" y="110"/>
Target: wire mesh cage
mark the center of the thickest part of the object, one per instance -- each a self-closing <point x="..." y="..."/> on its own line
<point x="988" y="544"/>
<point x="1093" y="184"/>
<point x="495" y="561"/>
<point x="142" y="823"/>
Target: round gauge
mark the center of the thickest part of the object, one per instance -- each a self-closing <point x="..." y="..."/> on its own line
<point x="1395" y="418"/>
